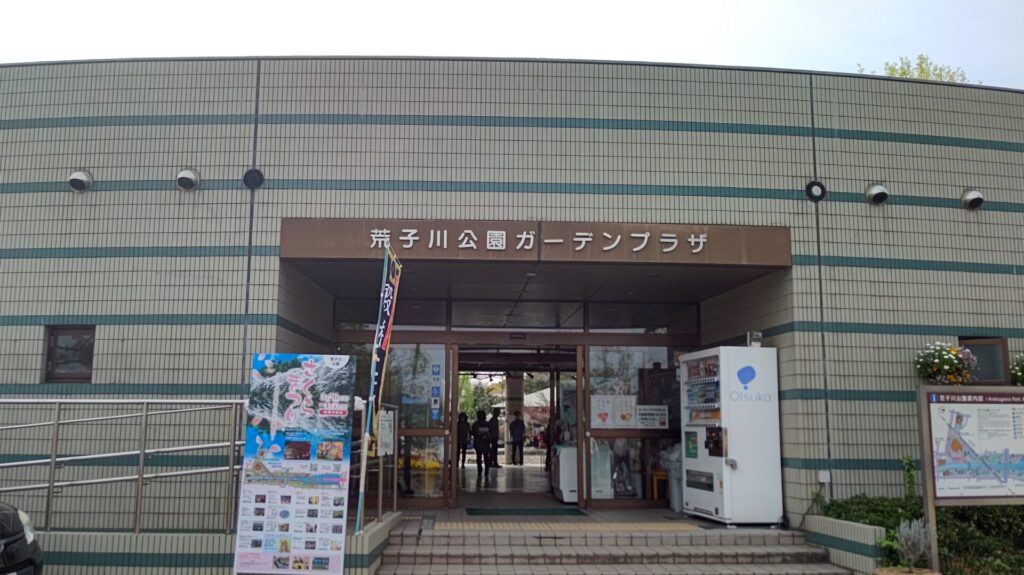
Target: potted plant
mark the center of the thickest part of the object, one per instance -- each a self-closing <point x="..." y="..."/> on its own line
<point x="1017" y="371"/>
<point x="912" y="541"/>
<point x="946" y="364"/>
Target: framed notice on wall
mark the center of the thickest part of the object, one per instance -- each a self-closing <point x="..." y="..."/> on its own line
<point x="612" y="411"/>
<point x="652" y="416"/>
<point x="293" y="501"/>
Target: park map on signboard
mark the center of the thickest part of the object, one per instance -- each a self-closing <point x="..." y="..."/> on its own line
<point x="977" y="444"/>
<point x="293" y="499"/>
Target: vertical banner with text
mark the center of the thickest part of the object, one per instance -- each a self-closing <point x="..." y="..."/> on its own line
<point x="378" y="363"/>
<point x="293" y="499"/>
<point x="382" y="337"/>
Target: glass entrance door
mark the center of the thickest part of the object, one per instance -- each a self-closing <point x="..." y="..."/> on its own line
<point x="417" y="381"/>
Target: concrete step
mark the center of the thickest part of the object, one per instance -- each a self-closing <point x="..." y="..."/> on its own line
<point x="483" y="555"/>
<point x="579" y="536"/>
<point x="772" y="569"/>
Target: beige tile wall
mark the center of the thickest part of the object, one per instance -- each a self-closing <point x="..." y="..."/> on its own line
<point x="135" y="155"/>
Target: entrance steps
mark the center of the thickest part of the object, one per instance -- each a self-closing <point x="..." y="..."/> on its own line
<point x="598" y="549"/>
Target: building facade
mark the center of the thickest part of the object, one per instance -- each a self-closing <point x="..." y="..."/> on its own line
<point x="174" y="288"/>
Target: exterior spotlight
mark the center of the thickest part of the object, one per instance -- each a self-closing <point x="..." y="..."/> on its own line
<point x="80" y="180"/>
<point x="972" y="199"/>
<point x="188" y="180"/>
<point x="253" y="178"/>
<point x="815" y="191"/>
<point x="876" y="194"/>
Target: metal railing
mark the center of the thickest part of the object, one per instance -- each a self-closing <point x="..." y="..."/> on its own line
<point x="146" y="418"/>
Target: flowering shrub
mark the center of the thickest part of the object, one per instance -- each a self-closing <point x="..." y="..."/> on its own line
<point x="946" y="364"/>
<point x="1017" y="370"/>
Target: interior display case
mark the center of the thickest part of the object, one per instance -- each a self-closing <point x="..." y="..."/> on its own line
<point x="732" y="463"/>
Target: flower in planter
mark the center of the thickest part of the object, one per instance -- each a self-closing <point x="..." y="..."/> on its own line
<point x="1017" y="370"/>
<point x="947" y="364"/>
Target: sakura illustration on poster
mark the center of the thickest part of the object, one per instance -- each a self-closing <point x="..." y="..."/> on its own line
<point x="293" y="502"/>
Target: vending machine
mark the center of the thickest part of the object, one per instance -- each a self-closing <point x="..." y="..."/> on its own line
<point x="732" y="460"/>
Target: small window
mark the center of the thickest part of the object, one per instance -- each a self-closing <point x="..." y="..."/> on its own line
<point x="993" y="360"/>
<point x="69" y="354"/>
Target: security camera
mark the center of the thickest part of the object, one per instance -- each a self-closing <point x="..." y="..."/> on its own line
<point x="876" y="194"/>
<point x="972" y="199"/>
<point x="188" y="180"/>
<point x="80" y="180"/>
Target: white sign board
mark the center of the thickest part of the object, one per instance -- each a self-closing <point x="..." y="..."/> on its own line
<point x="977" y="442"/>
<point x="293" y="500"/>
<point x="652" y="416"/>
<point x="612" y="411"/>
<point x="386" y="432"/>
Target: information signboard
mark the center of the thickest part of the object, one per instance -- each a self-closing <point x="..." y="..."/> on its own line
<point x="972" y="449"/>
<point x="386" y="435"/>
<point x="977" y="444"/>
<point x="293" y="499"/>
<point x="652" y="416"/>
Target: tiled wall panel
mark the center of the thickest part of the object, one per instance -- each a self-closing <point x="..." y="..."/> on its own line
<point x="164" y="273"/>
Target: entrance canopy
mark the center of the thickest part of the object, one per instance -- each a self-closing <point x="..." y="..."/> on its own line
<point x="523" y="296"/>
<point x="524" y="276"/>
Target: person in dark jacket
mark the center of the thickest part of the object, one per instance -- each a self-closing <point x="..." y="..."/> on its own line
<point x="495" y="434"/>
<point x="464" y="438"/>
<point x="481" y="432"/>
<point x="517" y="429"/>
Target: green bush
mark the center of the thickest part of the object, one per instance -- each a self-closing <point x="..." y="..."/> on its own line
<point x="972" y="540"/>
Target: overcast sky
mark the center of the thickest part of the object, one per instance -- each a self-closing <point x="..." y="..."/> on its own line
<point x="984" y="37"/>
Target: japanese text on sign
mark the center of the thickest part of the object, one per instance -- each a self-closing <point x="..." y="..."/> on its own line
<point x="495" y="240"/>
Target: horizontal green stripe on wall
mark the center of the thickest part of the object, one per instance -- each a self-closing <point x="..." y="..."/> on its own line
<point x="167" y="185"/>
<point x="266" y="250"/>
<point x="840" y="544"/>
<point x="502" y="187"/>
<point x="186" y="560"/>
<point x="514" y="122"/>
<point x="845" y="464"/>
<point x="909" y="264"/>
<point x="137" y="252"/>
<point x="138" y="120"/>
<point x="892" y="329"/>
<point x="64" y="390"/>
<point x="533" y="187"/>
<point x="849" y="395"/>
<point x="140" y="319"/>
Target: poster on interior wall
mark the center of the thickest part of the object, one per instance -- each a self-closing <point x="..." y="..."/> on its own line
<point x="293" y="499"/>
<point x="612" y="411"/>
<point x="652" y="416"/>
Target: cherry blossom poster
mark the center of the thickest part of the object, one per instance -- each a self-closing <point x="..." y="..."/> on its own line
<point x="292" y="508"/>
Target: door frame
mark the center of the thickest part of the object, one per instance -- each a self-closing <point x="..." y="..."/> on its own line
<point x="451" y="447"/>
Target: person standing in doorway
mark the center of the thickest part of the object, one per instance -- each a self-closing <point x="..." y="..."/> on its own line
<point x="517" y="429"/>
<point x="481" y="432"/>
<point x="463" y="439"/>
<point x="495" y="432"/>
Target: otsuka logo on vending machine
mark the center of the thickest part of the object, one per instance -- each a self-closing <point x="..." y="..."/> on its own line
<point x="746" y="376"/>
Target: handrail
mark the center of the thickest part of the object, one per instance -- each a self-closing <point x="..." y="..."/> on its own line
<point x="111" y="417"/>
<point x="120" y="479"/>
<point x="143" y="416"/>
<point x="50" y="401"/>
<point x="65" y="459"/>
